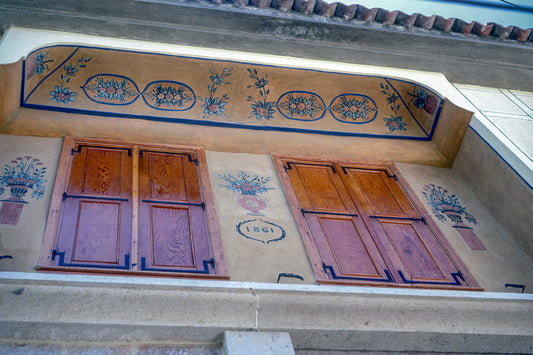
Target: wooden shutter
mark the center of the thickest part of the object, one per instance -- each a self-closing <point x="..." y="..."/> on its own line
<point x="418" y="256"/>
<point x="359" y="226"/>
<point x="172" y="225"/>
<point x="346" y="247"/>
<point x="95" y="226"/>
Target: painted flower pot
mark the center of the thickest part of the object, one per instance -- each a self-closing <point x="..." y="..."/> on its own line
<point x="17" y="192"/>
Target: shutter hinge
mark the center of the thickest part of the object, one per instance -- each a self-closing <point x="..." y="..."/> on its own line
<point x="54" y="253"/>
<point x="391" y="175"/>
<point x="460" y="275"/>
<point x="210" y="261"/>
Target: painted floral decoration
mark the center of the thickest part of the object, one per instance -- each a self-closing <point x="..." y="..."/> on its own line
<point x="39" y="64"/>
<point x="260" y="108"/>
<point x="26" y="173"/>
<point x="301" y="106"/>
<point x="445" y="205"/>
<point x="354" y="108"/>
<point x="395" y="121"/>
<point x="112" y="89"/>
<point x="170" y="96"/>
<point x="244" y="184"/>
<point x="215" y="105"/>
<point x="421" y="99"/>
<point x="62" y="94"/>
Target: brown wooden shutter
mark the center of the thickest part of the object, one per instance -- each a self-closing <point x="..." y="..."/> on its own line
<point x="361" y="227"/>
<point x="346" y="247"/>
<point x="95" y="226"/>
<point x="172" y="226"/>
<point x="417" y="254"/>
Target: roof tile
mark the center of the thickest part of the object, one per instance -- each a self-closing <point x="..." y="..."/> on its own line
<point x="346" y="12"/>
<point x="404" y="19"/>
<point x="386" y="17"/>
<point x="283" y="5"/>
<point x="262" y="4"/>
<point x="304" y="6"/>
<point x="325" y="9"/>
<point x="425" y="22"/>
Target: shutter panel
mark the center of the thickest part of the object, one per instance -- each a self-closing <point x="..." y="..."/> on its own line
<point x="95" y="227"/>
<point x="172" y="228"/>
<point x="347" y="250"/>
<point x="418" y="256"/>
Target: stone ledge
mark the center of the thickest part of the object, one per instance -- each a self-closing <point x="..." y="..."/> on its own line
<point x="129" y="309"/>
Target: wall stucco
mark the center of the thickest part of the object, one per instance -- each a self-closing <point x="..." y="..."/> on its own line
<point x="262" y="256"/>
<point x="503" y="261"/>
<point x="504" y="193"/>
<point x="255" y="256"/>
<point x="23" y="240"/>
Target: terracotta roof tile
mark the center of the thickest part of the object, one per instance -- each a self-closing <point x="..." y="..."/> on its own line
<point x="325" y="9"/>
<point x="262" y="4"/>
<point x="385" y="17"/>
<point x="406" y="20"/>
<point x="345" y="11"/>
<point x="283" y="5"/>
<point x="304" y="6"/>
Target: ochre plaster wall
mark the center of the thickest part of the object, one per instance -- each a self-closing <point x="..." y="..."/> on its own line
<point x="58" y="124"/>
<point x="253" y="254"/>
<point x="506" y="195"/>
<point x="503" y="261"/>
<point x="275" y="246"/>
<point x="23" y="241"/>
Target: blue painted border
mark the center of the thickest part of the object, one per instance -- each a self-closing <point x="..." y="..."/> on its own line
<point x="360" y="95"/>
<point x="302" y="92"/>
<point x="111" y="103"/>
<point x="171" y="82"/>
<point x="223" y="124"/>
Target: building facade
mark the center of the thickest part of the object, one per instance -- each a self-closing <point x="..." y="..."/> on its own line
<point x="209" y="178"/>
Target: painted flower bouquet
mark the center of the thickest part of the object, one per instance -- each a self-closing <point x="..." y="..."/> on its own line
<point x="26" y="174"/>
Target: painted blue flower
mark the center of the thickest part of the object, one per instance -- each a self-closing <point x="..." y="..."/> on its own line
<point x="40" y="62"/>
<point x="213" y="106"/>
<point x="392" y="98"/>
<point x="217" y="79"/>
<point x="262" y="110"/>
<point x="261" y="83"/>
<point x="395" y="123"/>
<point x="70" y="70"/>
<point x="246" y="185"/>
<point x="62" y="95"/>
<point x="419" y="98"/>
